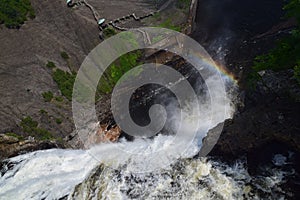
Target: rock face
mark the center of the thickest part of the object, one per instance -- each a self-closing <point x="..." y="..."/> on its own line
<point x="91" y="187"/>
<point x="107" y="133"/>
<point x="271" y="115"/>
<point x="23" y="72"/>
<point x="25" y="53"/>
<point x="94" y="134"/>
<point x="11" y="146"/>
<point x="104" y="134"/>
<point x="235" y="32"/>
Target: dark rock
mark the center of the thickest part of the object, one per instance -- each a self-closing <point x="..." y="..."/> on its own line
<point x="271" y="115"/>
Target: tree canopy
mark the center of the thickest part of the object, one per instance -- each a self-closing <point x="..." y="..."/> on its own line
<point x="13" y="13"/>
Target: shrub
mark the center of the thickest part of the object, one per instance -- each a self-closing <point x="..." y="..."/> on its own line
<point x="13" y="13"/>
<point x="58" y="120"/>
<point x="59" y="99"/>
<point x="50" y="65"/>
<point x="28" y="124"/>
<point x="169" y="25"/>
<point x="108" y="32"/>
<point x="116" y="71"/>
<point x="293" y="9"/>
<point x="64" y="55"/>
<point x="286" y="55"/>
<point x="48" y="96"/>
<point x="42" y="111"/>
<point x="42" y="134"/>
<point x="65" y="82"/>
<point x="31" y="127"/>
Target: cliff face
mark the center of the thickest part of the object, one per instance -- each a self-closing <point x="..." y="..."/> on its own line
<point x="239" y="31"/>
<point x="235" y="32"/>
<point x="25" y="52"/>
<point x="24" y="55"/>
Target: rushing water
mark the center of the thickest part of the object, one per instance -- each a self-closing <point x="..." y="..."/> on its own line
<point x="53" y="174"/>
<point x="106" y="172"/>
<point x="102" y="172"/>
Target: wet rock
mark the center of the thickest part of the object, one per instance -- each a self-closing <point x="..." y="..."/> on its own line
<point x="91" y="187"/>
<point x="271" y="115"/>
<point x="282" y="83"/>
<point x="210" y="140"/>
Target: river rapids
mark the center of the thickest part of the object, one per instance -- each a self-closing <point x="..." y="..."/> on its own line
<point x="101" y="172"/>
<point x="75" y="174"/>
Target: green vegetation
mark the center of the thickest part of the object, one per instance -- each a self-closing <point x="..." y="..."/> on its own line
<point x="13" y="13"/>
<point x="43" y="134"/>
<point x="28" y="124"/>
<point x="169" y="25"/>
<point x="130" y="38"/>
<point x="64" y="55"/>
<point x="31" y="127"/>
<point x="293" y="9"/>
<point x="108" y="32"/>
<point x="157" y="16"/>
<point x="116" y="71"/>
<point x="50" y="65"/>
<point x="48" y="96"/>
<point x="19" y="137"/>
<point x="287" y="53"/>
<point x="58" y="120"/>
<point x="59" y="99"/>
<point x="65" y="82"/>
<point x="183" y="4"/>
<point x="42" y="111"/>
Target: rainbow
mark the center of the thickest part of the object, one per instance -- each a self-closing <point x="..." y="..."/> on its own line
<point x="219" y="67"/>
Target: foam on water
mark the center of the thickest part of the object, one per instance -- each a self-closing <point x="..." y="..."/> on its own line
<point x="45" y="174"/>
<point x="187" y="179"/>
<point x="53" y="174"/>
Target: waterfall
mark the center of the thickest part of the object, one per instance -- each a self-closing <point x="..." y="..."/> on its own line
<point x="75" y="174"/>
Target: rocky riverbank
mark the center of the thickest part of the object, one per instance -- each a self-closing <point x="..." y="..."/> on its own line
<point x="12" y="146"/>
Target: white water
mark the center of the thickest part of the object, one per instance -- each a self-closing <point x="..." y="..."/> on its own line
<point x="52" y="174"/>
<point x="196" y="179"/>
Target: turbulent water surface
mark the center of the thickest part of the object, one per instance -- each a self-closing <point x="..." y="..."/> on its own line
<point x="153" y="168"/>
<point x="53" y="174"/>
